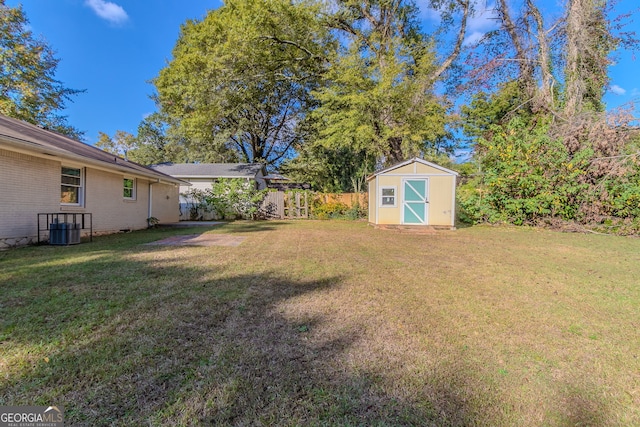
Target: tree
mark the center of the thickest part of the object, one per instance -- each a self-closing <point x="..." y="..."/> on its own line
<point x="330" y="170"/>
<point x="240" y="79"/>
<point x="589" y="43"/>
<point x="380" y="96"/>
<point x="29" y="90"/>
<point x="158" y="142"/>
<point x="545" y="148"/>
<point x="120" y="145"/>
<point x="154" y="143"/>
<point x="559" y="64"/>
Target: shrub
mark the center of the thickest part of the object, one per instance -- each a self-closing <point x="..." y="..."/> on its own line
<point x="323" y="208"/>
<point x="235" y="198"/>
<point x="528" y="176"/>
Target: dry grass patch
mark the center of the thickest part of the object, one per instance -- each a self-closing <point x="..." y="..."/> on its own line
<point x="316" y="323"/>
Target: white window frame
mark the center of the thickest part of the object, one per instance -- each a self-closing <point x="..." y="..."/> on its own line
<point x="80" y="187"/>
<point x="133" y="188"/>
<point x="395" y="196"/>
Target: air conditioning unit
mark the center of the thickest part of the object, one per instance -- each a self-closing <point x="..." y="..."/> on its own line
<point x="64" y="233"/>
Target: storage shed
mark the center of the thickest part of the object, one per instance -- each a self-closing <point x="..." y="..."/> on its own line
<point x="414" y="193"/>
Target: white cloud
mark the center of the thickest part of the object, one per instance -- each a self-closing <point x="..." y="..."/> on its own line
<point x="484" y="19"/>
<point x="617" y="90"/>
<point x="473" y="38"/>
<point x="108" y="11"/>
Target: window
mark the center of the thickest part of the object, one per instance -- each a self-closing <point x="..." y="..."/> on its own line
<point x="71" y="186"/>
<point x="388" y="197"/>
<point x="129" y="185"/>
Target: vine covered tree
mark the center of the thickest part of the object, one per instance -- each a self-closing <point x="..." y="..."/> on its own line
<point x="546" y="148"/>
<point x="380" y="94"/>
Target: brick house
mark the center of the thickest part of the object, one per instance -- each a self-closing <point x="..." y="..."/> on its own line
<point x="45" y="172"/>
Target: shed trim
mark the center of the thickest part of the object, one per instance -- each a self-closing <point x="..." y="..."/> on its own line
<point x="410" y="161"/>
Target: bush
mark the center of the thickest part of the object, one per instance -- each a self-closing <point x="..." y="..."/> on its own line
<point x="235" y="198"/>
<point x="333" y="209"/>
<point x="227" y="198"/>
<point x="529" y="177"/>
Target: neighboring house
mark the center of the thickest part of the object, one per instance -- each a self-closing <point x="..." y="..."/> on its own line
<point x="202" y="175"/>
<point x="45" y="172"/>
<point x="415" y="193"/>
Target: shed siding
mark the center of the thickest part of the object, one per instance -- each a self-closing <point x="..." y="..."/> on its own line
<point x="441" y="194"/>
<point x="426" y="169"/>
<point x="372" y="201"/>
<point x="389" y="215"/>
<point x="441" y="200"/>
<point x="404" y="170"/>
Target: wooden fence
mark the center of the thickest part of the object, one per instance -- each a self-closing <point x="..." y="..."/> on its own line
<point x="296" y="205"/>
<point x="285" y="205"/>
<point x="349" y="199"/>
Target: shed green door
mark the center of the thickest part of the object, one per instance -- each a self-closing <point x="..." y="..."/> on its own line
<point x="414" y="201"/>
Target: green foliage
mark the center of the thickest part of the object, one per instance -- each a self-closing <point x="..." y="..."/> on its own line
<point x="527" y="177"/>
<point x="29" y="90"/>
<point x="328" y="210"/>
<point x="488" y="109"/>
<point x="197" y="202"/>
<point x="121" y="144"/>
<point x="379" y="97"/>
<point x="155" y="143"/>
<point x="228" y="198"/>
<point x="330" y="170"/>
<point x="239" y="82"/>
<point x="153" y="222"/>
<point x="324" y="207"/>
<point x="235" y="198"/>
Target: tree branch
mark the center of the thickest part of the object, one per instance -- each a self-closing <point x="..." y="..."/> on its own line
<point x="458" y="46"/>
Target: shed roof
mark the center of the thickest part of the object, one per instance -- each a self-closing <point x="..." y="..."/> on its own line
<point x="210" y="170"/>
<point x="26" y="137"/>
<point x="410" y="161"/>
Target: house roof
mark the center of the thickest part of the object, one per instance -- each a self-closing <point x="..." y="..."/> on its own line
<point x="30" y="139"/>
<point x="408" y="162"/>
<point x="211" y="170"/>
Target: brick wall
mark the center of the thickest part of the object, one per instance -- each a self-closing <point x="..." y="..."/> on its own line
<point x="31" y="185"/>
<point x="111" y="211"/>
<point x="24" y="194"/>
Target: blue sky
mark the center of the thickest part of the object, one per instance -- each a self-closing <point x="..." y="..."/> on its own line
<point x="113" y="48"/>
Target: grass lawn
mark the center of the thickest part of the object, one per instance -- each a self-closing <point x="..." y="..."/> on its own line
<point x="327" y="323"/>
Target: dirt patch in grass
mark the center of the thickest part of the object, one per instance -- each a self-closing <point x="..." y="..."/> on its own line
<point x="200" y="240"/>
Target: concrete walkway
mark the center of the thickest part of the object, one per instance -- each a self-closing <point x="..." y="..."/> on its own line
<point x="184" y="224"/>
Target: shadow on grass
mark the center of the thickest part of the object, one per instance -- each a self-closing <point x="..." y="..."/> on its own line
<point x="128" y="341"/>
<point x="246" y="226"/>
